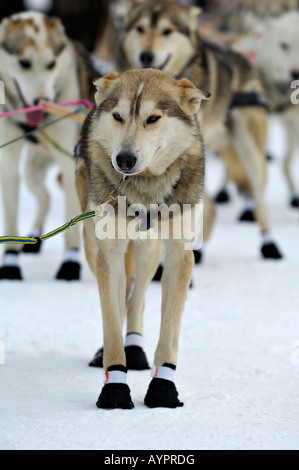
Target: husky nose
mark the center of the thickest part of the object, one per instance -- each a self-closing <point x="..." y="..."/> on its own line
<point x="146" y="58"/>
<point x="295" y="74"/>
<point x="37" y="100"/>
<point x="126" y="161"/>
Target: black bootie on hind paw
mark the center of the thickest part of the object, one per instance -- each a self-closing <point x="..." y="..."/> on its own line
<point x="247" y="216"/>
<point x="69" y="271"/>
<point x="136" y="358"/>
<point x="222" y="197"/>
<point x="270" y="251"/>
<point x="162" y="394"/>
<point x="33" y="249"/>
<point x="10" y="273"/>
<point x="97" y="360"/>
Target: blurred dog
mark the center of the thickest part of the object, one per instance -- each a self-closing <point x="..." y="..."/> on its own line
<point x="164" y="35"/>
<point x="275" y="45"/>
<point x="145" y="127"/>
<point x="241" y="16"/>
<point x="39" y="62"/>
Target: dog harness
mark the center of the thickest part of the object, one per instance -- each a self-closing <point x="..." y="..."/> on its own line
<point x="249" y="99"/>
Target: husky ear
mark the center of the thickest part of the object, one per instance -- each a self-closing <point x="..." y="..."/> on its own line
<point x="103" y="85"/>
<point x="56" y="34"/>
<point x="191" y="96"/>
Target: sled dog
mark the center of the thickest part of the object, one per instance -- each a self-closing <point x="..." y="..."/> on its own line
<point x="38" y="62"/>
<point x="275" y="44"/>
<point x="164" y="36"/>
<point x="145" y="127"/>
<point x="241" y="16"/>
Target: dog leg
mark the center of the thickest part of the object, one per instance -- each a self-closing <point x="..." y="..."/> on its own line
<point x="9" y="178"/>
<point x="251" y="152"/>
<point x="37" y="164"/>
<point x="176" y="279"/>
<point x="223" y="196"/>
<point x="147" y="255"/>
<point x="66" y="136"/>
<point x="205" y="229"/>
<point x="134" y="361"/>
<point x="110" y="268"/>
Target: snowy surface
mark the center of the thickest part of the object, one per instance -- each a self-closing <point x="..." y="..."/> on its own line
<point x="235" y="372"/>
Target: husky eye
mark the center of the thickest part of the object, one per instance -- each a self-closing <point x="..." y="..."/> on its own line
<point x="153" y="119"/>
<point x="51" y="65"/>
<point x="167" y="32"/>
<point x="117" y="118"/>
<point x="140" y="29"/>
<point x="285" y="46"/>
<point x="25" y="64"/>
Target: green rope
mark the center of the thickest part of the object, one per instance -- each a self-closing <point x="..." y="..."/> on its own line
<point x="86" y="215"/>
<point x="33" y="241"/>
<point x="56" y="145"/>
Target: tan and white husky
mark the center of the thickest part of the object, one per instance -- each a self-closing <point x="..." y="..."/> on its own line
<point x="38" y="61"/>
<point x="145" y="127"/>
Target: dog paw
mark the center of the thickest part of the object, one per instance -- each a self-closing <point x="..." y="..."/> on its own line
<point x="32" y="249"/>
<point x="158" y="275"/>
<point x="162" y="394"/>
<point x="115" y="395"/>
<point x="271" y="251"/>
<point x="222" y="197"/>
<point x="247" y="216"/>
<point x="295" y="202"/>
<point x="69" y="271"/>
<point x="10" y="273"/>
<point x="97" y="360"/>
<point x="136" y="358"/>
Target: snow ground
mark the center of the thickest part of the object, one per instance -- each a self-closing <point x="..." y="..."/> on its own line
<point x="235" y="372"/>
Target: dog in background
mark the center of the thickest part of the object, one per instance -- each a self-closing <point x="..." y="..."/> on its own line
<point x="241" y="16"/>
<point x="275" y="45"/>
<point x="164" y="35"/>
<point x="39" y="62"/>
<point x="145" y="127"/>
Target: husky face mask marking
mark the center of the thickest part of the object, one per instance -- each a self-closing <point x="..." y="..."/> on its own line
<point x="31" y="46"/>
<point x="134" y="119"/>
<point x="160" y="36"/>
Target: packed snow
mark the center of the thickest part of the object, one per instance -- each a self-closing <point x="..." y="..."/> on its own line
<point x="238" y="369"/>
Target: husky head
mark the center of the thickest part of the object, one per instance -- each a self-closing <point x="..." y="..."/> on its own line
<point x="145" y="119"/>
<point x="160" y="35"/>
<point x="31" y="48"/>
<point x="275" y="43"/>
